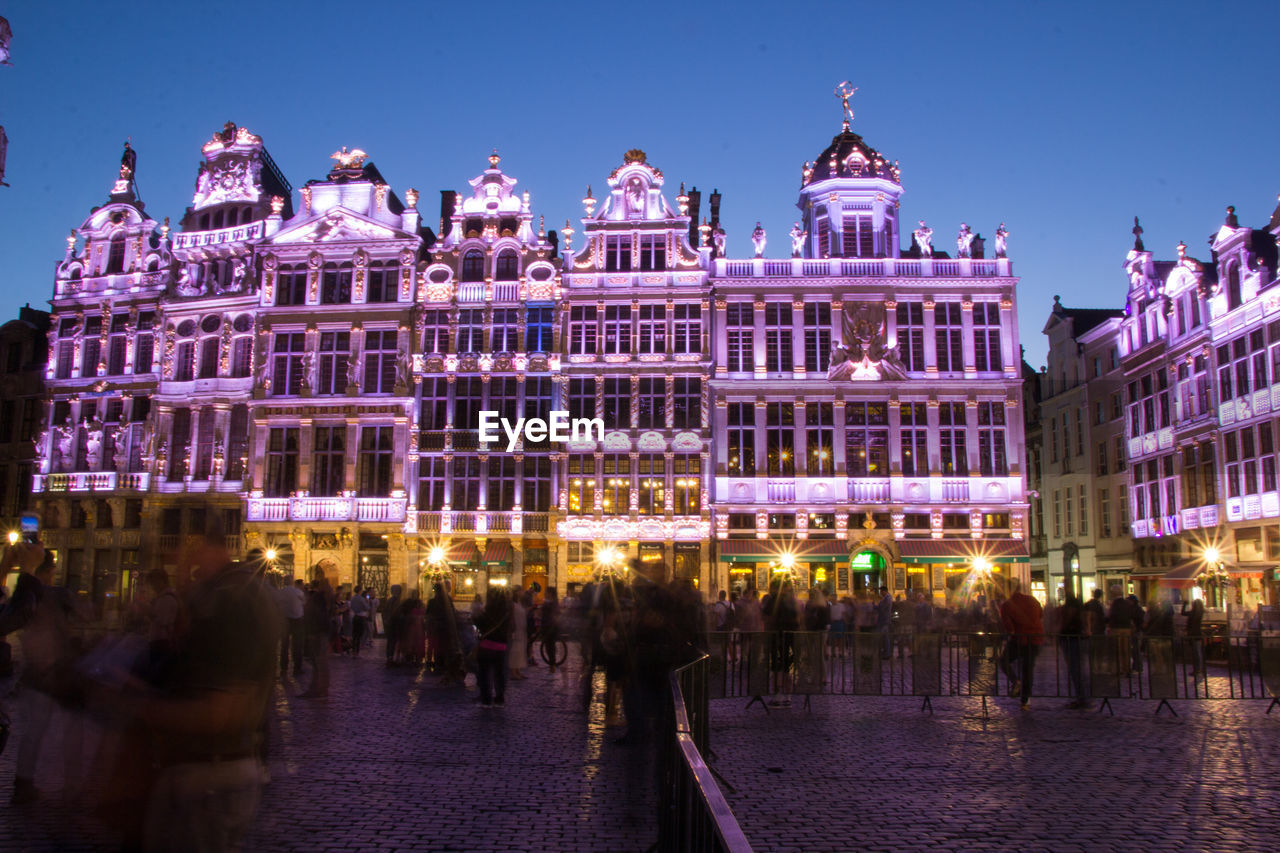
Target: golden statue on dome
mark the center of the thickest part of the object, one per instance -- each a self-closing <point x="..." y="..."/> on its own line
<point x="844" y="91"/>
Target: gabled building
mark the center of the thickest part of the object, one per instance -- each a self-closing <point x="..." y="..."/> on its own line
<point x="635" y="324"/>
<point x="24" y="352"/>
<point x="485" y="331"/>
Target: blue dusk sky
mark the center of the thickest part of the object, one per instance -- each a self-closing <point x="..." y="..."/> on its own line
<point x="1061" y="120"/>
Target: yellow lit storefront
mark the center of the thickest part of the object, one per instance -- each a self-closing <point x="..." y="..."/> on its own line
<point x="951" y="571"/>
<point x="753" y="563"/>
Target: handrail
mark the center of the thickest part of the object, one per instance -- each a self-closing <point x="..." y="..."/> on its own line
<point x="728" y="834"/>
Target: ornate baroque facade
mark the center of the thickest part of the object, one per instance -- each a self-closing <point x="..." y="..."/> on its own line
<point x="309" y="382"/>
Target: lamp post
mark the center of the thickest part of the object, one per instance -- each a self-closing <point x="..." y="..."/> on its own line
<point x="1214" y="576"/>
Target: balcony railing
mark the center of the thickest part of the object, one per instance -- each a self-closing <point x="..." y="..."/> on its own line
<point x="866" y="490"/>
<point x="391" y="510"/>
<point x="863" y="267"/>
<point x="91" y="481"/>
<point x="481" y="522"/>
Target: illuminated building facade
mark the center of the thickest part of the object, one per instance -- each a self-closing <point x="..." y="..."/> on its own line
<point x="309" y="381"/>
<point x="635" y="333"/>
<point x="867" y="400"/>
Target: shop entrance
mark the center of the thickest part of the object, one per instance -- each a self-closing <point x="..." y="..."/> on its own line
<point x="867" y="572"/>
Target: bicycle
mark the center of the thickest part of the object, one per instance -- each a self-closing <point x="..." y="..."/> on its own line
<point x="554" y="652"/>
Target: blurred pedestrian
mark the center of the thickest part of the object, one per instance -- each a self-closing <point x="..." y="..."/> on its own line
<point x="290" y="600"/>
<point x="1022" y="617"/>
<point x="493" y="629"/>
<point x="319" y="613"/>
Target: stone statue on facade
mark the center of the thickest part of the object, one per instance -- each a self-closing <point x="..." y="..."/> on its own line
<point x="404" y="368"/>
<point x="924" y="239"/>
<point x="863" y="353"/>
<point x="964" y="241"/>
<point x="717" y="240"/>
<point x="264" y="375"/>
<point x="128" y="162"/>
<point x="634" y="198"/>
<point x="93" y="444"/>
<point x="6" y="37"/>
<point x="238" y="271"/>
<point x="42" y="446"/>
<point x="63" y="436"/>
<point x="186" y="285"/>
<point x="353" y="371"/>
<point x="798" y="236"/>
<point x="120" y="452"/>
<point x="1002" y="242"/>
<point x="308" y="372"/>
<point x="759" y="239"/>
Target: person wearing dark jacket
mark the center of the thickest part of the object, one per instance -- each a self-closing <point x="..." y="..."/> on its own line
<point x="318" y="614"/>
<point x="1195" y="634"/>
<point x="493" y="630"/>
<point x="1023" y="618"/>
<point x="1073" y="629"/>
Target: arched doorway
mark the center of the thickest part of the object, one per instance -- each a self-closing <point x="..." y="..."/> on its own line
<point x="868" y="571"/>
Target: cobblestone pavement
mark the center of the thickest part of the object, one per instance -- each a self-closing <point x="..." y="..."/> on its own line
<point x="394" y="762"/>
<point x="876" y="774"/>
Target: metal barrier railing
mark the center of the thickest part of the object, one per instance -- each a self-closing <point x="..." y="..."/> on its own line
<point x="693" y="813"/>
<point x="983" y="665"/>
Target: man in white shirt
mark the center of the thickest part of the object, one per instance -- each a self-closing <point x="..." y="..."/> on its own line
<point x="289" y="600"/>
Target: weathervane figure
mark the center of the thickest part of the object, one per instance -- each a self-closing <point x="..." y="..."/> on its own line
<point x="844" y="92"/>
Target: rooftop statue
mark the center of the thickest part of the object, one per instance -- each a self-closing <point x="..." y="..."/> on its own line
<point x="798" y="236"/>
<point x="964" y="241"/>
<point x="1002" y="242"/>
<point x="6" y="36"/>
<point x="844" y="91"/>
<point x="924" y="239"/>
<point x="759" y="239"/>
<point x="717" y="240"/>
<point x="128" y="162"/>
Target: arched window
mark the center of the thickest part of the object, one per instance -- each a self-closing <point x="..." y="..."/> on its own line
<point x="115" y="256"/>
<point x="473" y="266"/>
<point x="233" y="216"/>
<point x="508" y="266"/>
<point x="1233" y="286"/>
<point x="209" y="358"/>
<point x="217" y="219"/>
<point x="204" y="222"/>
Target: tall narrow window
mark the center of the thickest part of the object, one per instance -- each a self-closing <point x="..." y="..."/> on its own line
<point x="144" y="344"/>
<point x="866" y="439"/>
<point x="778" y="337"/>
<point x="582" y="398"/>
<point x="241" y="357"/>
<point x="536" y="483"/>
<point x="286" y="376"/>
<point x="914" y="432"/>
<point x="465" y="492"/>
<point x="537" y="336"/>
<point x="991" y="440"/>
<point x="954" y="456"/>
<point x="617" y="403"/>
<point x="328" y="460"/>
<point x="653" y="330"/>
<point x="687" y="328"/>
<point x="616" y="498"/>
<point x="471" y="330"/>
<point x="503" y="397"/>
<point x="117" y="345"/>
<point x="431" y="479"/>
<point x="617" y="254"/>
<point x="238" y="442"/>
<point x="435" y="331"/>
<point x="686" y="483"/>
<point x="376" y="456"/>
<point x="291" y="285"/>
<point x="205" y="435"/>
<point x="780" y="439"/>
<point x="986" y="336"/>
<point x="582" y="330"/>
<point x="179" y="441"/>
<point x="335" y="350"/>
<point x="384" y="282"/>
<point x="506" y="329"/>
<point x="115" y="254"/>
<point x="652" y="493"/>
<point x="740" y="331"/>
<point x="817" y="336"/>
<point x="686" y="406"/>
<point x="947" y="335"/>
<point x="500" y="486"/>
<point x="282" y="462"/>
<point x="582" y="484"/>
<point x="653" y="252"/>
<point x="742" y="439"/>
<point x="379" y="361"/>
<point x="651" y="402"/>
<point x="617" y="329"/>
<point x="820" y="439"/>
<point x="335" y="286"/>
<point x="507" y="267"/>
<point x="209" y="358"/>
<point x="467" y="399"/>
<point x="184" y="362"/>
<point x="473" y="265"/>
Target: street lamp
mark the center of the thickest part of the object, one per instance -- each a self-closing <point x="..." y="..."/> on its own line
<point x="13" y="537"/>
<point x="1214" y="576"/>
<point x="270" y="555"/>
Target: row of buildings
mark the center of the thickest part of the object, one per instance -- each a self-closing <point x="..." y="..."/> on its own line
<point x="1155" y="440"/>
<point x="303" y="372"/>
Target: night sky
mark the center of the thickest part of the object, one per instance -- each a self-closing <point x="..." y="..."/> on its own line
<point x="1061" y="120"/>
